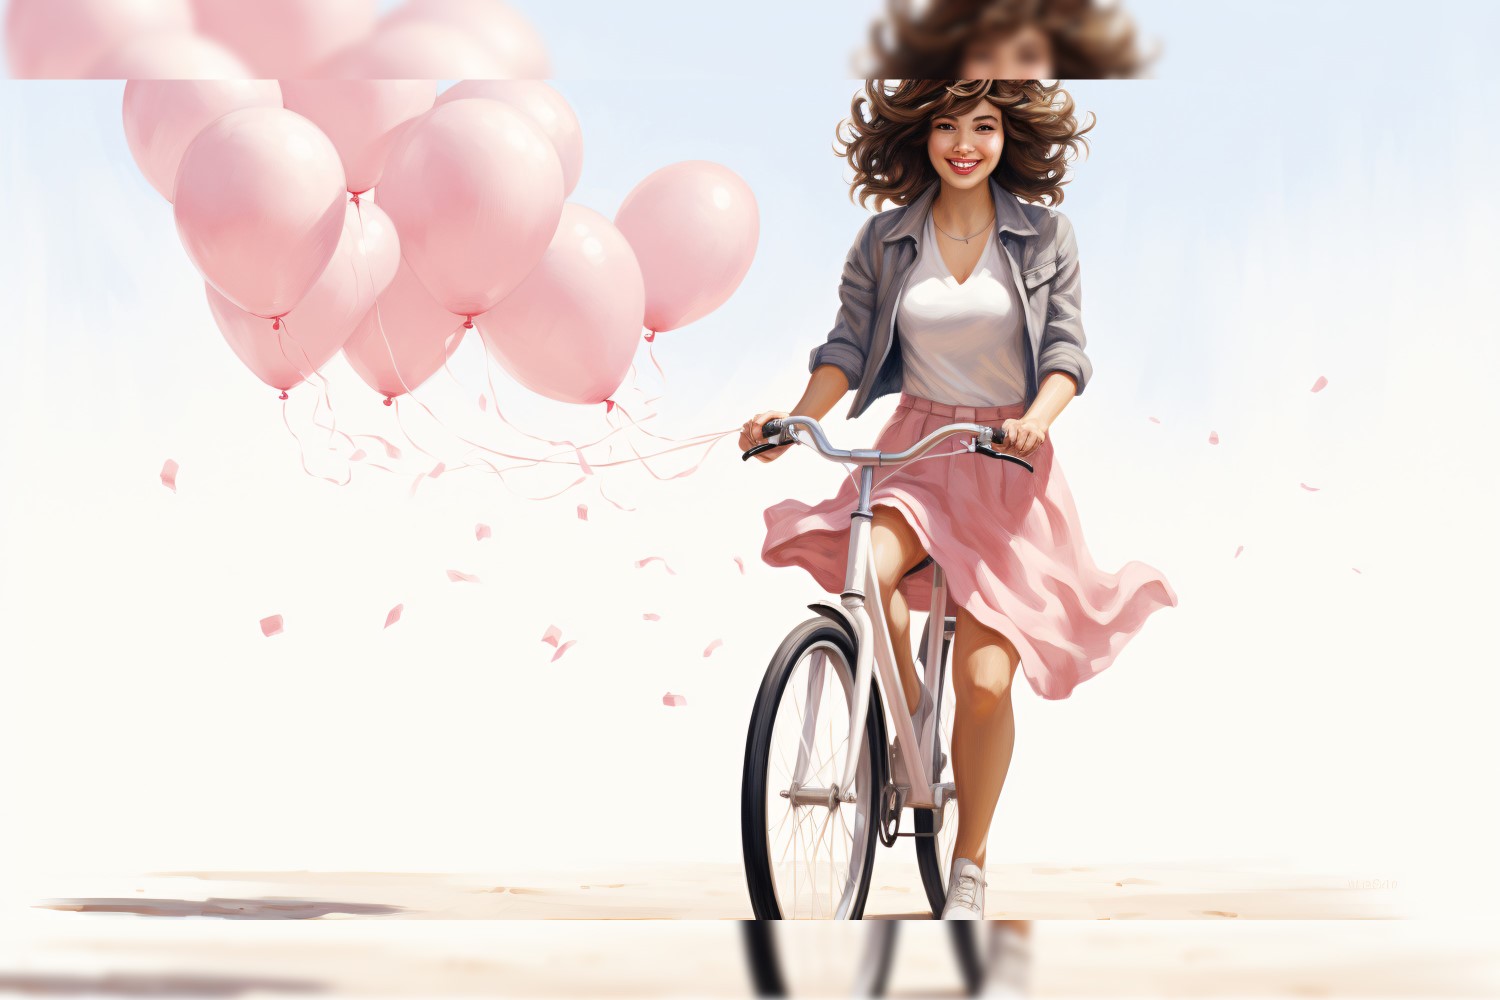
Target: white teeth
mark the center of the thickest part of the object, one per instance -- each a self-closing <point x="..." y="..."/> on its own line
<point x="964" y="164"/>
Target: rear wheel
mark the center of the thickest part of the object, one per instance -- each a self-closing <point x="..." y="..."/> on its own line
<point x="807" y="853"/>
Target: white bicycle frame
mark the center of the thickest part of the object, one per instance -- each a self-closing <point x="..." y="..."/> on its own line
<point x="874" y="648"/>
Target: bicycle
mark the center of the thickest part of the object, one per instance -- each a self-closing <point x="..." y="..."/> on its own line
<point x="876" y="782"/>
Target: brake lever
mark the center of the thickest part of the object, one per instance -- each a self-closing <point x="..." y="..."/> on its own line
<point x="762" y="447"/>
<point x="985" y="450"/>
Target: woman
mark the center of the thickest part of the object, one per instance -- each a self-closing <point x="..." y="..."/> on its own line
<point x="965" y="299"/>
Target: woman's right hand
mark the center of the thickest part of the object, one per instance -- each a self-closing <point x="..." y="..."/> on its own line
<point x="751" y="435"/>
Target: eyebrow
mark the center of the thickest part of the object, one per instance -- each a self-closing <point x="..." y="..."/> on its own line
<point x="981" y="118"/>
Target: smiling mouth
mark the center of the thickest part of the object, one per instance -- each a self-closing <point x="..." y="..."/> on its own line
<point x="964" y="164"/>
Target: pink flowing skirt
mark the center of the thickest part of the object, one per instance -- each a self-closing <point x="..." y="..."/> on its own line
<point x="1008" y="541"/>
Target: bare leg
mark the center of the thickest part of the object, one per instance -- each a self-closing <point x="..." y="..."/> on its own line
<point x="984" y="729"/>
<point x="895" y="549"/>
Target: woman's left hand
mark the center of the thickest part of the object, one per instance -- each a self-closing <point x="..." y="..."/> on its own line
<point x="1023" y="435"/>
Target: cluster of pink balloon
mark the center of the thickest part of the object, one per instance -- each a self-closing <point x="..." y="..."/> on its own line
<point x="271" y="188"/>
<point x="233" y="39"/>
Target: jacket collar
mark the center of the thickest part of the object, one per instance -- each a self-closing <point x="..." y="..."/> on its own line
<point x="1008" y="214"/>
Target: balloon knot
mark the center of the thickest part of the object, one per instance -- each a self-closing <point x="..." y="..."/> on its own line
<point x="276" y="324"/>
<point x="609" y="406"/>
<point x="651" y="337"/>
<point x="387" y="401"/>
<point x="468" y="322"/>
<point x="354" y="197"/>
<point x="283" y="394"/>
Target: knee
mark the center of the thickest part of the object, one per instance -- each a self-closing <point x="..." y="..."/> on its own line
<point x="986" y="688"/>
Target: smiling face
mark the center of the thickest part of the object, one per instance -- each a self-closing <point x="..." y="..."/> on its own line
<point x="1022" y="54"/>
<point x="965" y="149"/>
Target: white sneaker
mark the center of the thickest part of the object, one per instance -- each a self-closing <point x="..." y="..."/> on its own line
<point x="965" y="891"/>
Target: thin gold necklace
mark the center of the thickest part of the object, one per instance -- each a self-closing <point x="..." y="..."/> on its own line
<point x="964" y="238"/>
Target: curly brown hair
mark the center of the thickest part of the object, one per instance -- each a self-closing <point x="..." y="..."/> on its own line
<point x="887" y="147"/>
<point x="1089" y="41"/>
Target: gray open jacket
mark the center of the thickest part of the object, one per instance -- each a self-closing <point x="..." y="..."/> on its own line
<point x="1043" y="257"/>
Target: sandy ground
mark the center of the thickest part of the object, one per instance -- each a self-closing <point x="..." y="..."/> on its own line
<point x="712" y="892"/>
<point x="1099" y="930"/>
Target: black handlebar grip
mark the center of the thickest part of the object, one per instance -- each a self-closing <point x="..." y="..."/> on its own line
<point x="771" y="427"/>
<point x="998" y="435"/>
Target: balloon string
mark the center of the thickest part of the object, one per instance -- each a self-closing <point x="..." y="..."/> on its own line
<point x="283" y="332"/>
<point x="302" y="452"/>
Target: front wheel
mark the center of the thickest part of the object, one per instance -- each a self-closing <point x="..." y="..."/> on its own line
<point x="807" y="855"/>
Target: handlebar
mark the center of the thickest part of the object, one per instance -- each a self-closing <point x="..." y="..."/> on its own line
<point x="785" y="427"/>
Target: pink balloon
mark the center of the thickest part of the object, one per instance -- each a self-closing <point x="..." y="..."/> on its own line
<point x="360" y="117"/>
<point x="163" y="116"/>
<point x="694" y="226"/>
<point x="475" y="190"/>
<point x="510" y="38"/>
<point x="413" y="50"/>
<point x="259" y="203"/>
<point x="284" y="353"/>
<point x="286" y="38"/>
<point x="404" y="339"/>
<point x="570" y="331"/>
<point x="63" y="38"/>
<point x="544" y="106"/>
<point x="175" y="55"/>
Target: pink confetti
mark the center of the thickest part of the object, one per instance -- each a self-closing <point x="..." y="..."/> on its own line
<point x="1238" y="551"/>
<point x="484" y="403"/>
<point x="741" y="564"/>
<point x="458" y="577"/>
<point x="1357" y="570"/>
<point x="583" y="463"/>
<point x="1310" y="489"/>
<point x="357" y="455"/>
<point x="641" y="562"/>
<point x="1318" y="387"/>
<point x="394" y="616"/>
<point x="1213" y="437"/>
<point x="651" y="616"/>
<point x="437" y="470"/>
<point x="562" y="649"/>
<point x="270" y="626"/>
<point x="552" y="635"/>
<point x="673" y="700"/>
<point x="583" y="512"/>
<point x="169" y="475"/>
<point x="1153" y="420"/>
<point x="391" y="451"/>
<point x="713" y="646"/>
<point x="481" y="532"/>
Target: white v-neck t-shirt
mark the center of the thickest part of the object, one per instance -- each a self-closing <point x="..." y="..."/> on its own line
<point x="962" y="343"/>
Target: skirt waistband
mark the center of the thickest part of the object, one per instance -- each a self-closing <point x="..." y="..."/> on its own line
<point x="960" y="414"/>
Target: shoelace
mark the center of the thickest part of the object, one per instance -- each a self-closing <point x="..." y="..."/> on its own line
<point x="967" y="893"/>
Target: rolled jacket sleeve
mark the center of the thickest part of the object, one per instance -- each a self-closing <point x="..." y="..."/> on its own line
<point x="848" y="342"/>
<point x="1062" y="345"/>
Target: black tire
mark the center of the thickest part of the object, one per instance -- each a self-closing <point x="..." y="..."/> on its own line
<point x="795" y="650"/>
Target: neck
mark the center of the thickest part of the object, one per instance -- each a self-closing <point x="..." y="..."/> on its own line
<point x="963" y="210"/>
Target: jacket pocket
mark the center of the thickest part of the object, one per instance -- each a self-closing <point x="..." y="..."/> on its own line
<point x="1039" y="274"/>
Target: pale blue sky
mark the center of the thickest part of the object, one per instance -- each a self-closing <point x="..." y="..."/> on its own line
<point x="1282" y="204"/>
